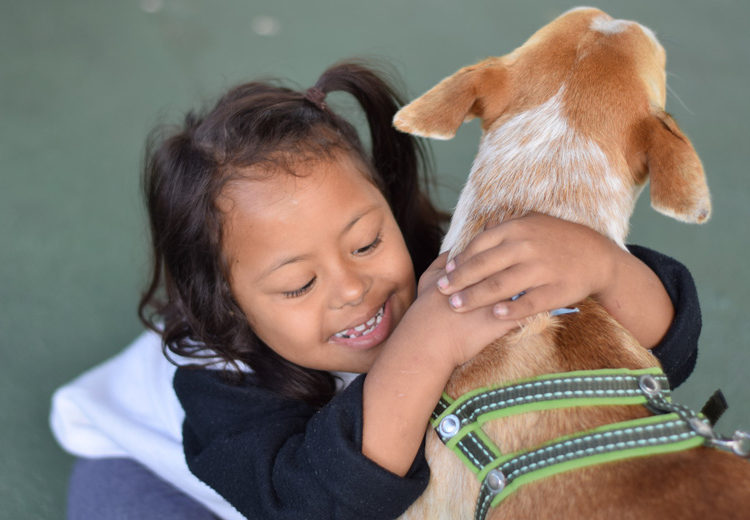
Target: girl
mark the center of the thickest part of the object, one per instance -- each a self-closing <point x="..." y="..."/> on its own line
<point x="284" y="262"/>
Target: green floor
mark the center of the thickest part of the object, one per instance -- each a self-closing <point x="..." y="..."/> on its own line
<point x="81" y="82"/>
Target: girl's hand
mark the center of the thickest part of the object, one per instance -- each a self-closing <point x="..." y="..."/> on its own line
<point x="555" y="263"/>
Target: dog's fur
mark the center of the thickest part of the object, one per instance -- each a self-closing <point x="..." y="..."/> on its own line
<point x="573" y="123"/>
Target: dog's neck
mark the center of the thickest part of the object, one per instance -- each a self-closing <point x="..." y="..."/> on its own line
<point x="535" y="160"/>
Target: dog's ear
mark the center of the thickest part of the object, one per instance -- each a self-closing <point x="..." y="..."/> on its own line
<point x="479" y="90"/>
<point x="678" y="183"/>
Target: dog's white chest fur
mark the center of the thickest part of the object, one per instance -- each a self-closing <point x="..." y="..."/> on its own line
<point x="536" y="161"/>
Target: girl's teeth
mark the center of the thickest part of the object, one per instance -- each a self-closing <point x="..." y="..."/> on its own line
<point x="366" y="327"/>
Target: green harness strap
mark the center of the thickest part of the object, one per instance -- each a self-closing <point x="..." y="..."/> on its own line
<point x="458" y="424"/>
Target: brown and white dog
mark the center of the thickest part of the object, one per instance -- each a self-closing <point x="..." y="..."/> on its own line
<point x="573" y="124"/>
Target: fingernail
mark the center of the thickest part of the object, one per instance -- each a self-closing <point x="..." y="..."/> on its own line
<point x="443" y="282"/>
<point x="455" y="301"/>
<point x="450" y="266"/>
<point x="500" y="310"/>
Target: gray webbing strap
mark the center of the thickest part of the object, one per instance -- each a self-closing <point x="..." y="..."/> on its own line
<point x="561" y="387"/>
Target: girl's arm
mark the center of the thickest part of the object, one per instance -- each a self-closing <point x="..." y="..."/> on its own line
<point x="410" y="373"/>
<point x="559" y="263"/>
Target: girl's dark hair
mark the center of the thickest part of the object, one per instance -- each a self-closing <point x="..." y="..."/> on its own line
<point x="188" y="299"/>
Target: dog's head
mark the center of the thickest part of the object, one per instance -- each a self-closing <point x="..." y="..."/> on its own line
<point x="583" y="97"/>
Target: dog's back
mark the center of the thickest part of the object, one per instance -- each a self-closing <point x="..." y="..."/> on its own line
<point x="573" y="123"/>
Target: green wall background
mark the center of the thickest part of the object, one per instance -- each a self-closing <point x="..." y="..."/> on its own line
<point x="81" y="83"/>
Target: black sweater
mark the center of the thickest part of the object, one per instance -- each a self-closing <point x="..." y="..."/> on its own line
<point x="276" y="458"/>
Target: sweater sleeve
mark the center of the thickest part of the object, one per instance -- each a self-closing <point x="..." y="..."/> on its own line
<point x="678" y="350"/>
<point x="277" y="458"/>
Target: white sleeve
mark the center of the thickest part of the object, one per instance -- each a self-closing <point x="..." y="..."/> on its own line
<point x="126" y="407"/>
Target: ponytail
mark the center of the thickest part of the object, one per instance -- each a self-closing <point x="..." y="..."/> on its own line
<point x="396" y="157"/>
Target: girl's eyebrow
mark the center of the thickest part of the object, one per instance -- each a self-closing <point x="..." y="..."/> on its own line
<point x="357" y="218"/>
<point x="283" y="262"/>
<point x="298" y="258"/>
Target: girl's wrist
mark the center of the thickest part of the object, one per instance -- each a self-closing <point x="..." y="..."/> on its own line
<point x="423" y="332"/>
<point x="611" y="263"/>
<point x="401" y="390"/>
<point x="637" y="299"/>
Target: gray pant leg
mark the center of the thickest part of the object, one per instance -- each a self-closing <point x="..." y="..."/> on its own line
<point x="123" y="489"/>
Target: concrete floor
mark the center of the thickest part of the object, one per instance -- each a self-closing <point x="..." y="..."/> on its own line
<point x="82" y="82"/>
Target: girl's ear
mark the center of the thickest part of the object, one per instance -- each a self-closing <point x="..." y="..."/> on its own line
<point x="479" y="90"/>
<point x="678" y="183"/>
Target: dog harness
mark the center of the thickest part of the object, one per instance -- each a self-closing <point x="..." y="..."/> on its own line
<point x="459" y="422"/>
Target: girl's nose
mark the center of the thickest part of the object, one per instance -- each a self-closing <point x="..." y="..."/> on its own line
<point x="349" y="287"/>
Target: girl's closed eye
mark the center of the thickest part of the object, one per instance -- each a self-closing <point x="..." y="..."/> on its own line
<point x="371" y="246"/>
<point x="359" y="252"/>
<point x="302" y="290"/>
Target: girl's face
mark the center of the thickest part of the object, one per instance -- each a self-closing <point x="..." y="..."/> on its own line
<point x="317" y="263"/>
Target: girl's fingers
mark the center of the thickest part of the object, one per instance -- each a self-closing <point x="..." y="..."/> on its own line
<point x="495" y="288"/>
<point x="433" y="271"/>
<point x="489" y="238"/>
<point x="462" y="272"/>
<point x="494" y="249"/>
<point x="534" y="301"/>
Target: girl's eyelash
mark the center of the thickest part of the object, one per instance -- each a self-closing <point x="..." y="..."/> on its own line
<point x="302" y="290"/>
<point x="372" y="245"/>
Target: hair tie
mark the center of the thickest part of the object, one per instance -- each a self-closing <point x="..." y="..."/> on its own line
<point x="316" y="96"/>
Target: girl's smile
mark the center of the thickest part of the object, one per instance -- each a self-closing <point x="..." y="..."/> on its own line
<point x="369" y="333"/>
<point x="317" y="262"/>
